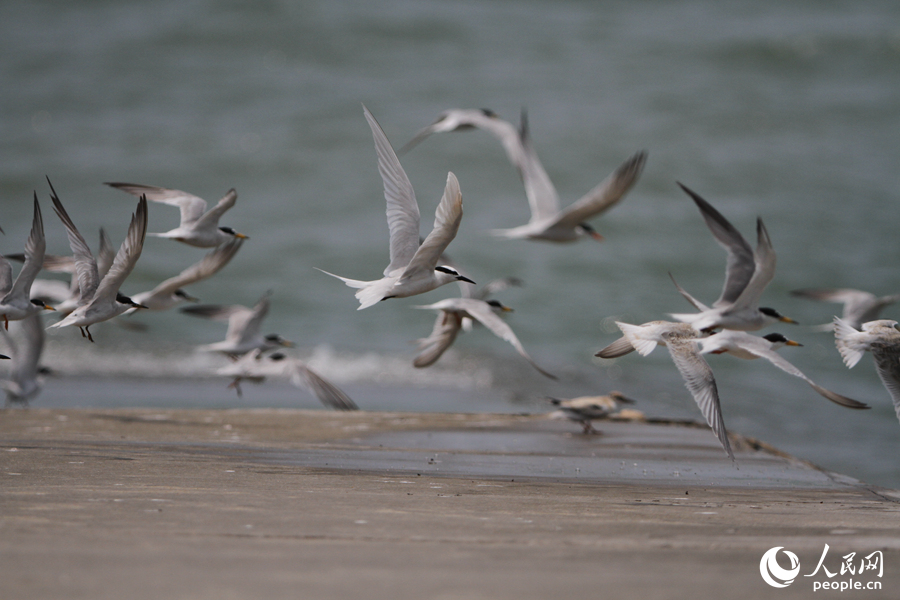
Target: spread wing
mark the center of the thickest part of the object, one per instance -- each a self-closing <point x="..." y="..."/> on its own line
<point x="128" y="254"/>
<point x="609" y="192"/>
<point x="85" y="265"/>
<point x="443" y="334"/>
<point x="700" y="382"/>
<point x="402" y="209"/>
<point x="447" y="218"/>
<point x="34" y="254"/>
<point x="207" y="267"/>
<point x="327" y="393"/>
<point x="191" y="207"/>
<point x="887" y="363"/>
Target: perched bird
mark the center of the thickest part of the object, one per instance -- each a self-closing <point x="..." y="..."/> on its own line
<point x="413" y="269"/>
<point x="859" y="306"/>
<point x="15" y="296"/>
<point x="199" y="227"/>
<point x="169" y="293"/>
<point x="586" y="409"/>
<point x="882" y="339"/>
<point x="748" y="346"/>
<point x="24" y="381"/>
<point x="680" y="339"/>
<point x="747" y="273"/>
<point x="100" y="299"/>
<point x="244" y="327"/>
<point x="449" y="322"/>
<point x="256" y="366"/>
<point x="548" y="221"/>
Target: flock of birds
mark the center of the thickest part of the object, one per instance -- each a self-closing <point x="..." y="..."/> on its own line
<point x="420" y="265"/>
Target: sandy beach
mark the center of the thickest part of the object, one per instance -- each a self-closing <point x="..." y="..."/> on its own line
<point x="315" y="504"/>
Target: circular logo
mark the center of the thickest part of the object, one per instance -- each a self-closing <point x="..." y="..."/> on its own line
<point x="772" y="573"/>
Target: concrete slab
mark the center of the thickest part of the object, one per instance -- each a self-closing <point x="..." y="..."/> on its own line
<point x="315" y="504"/>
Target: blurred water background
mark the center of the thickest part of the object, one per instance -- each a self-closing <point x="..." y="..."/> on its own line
<point x="787" y="111"/>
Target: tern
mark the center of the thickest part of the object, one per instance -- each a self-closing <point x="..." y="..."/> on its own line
<point x="15" y="296"/>
<point x="169" y="293"/>
<point x="199" y="227"/>
<point x="24" y="381"/>
<point x="747" y="273"/>
<point x="748" y="346"/>
<point x="244" y="327"/>
<point x="859" y="306"/>
<point x="449" y="322"/>
<point x="586" y="409"/>
<point x="680" y="339"/>
<point x="548" y="221"/>
<point x="100" y="299"/>
<point x="882" y="339"/>
<point x="414" y="266"/>
<point x="256" y="366"/>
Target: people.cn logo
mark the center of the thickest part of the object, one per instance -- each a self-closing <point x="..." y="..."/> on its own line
<point x="772" y="572"/>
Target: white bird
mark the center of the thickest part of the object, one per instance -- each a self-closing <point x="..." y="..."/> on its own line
<point x="15" y="297"/>
<point x="413" y="269"/>
<point x="748" y="346"/>
<point x="244" y="327"/>
<point x="681" y="340"/>
<point x="449" y="322"/>
<point x="586" y="409"/>
<point x="199" y="227"/>
<point x="747" y="273"/>
<point x="256" y="366"/>
<point x="457" y="119"/>
<point x="859" y="306"/>
<point x="24" y="382"/>
<point x="548" y="221"/>
<point x="65" y="296"/>
<point x="169" y="293"/>
<point x="100" y="299"/>
<point x="882" y="339"/>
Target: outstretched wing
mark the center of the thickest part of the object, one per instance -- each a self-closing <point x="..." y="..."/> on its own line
<point x="191" y="207"/>
<point x="608" y="193"/>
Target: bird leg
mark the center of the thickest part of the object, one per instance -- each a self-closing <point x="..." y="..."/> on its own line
<point x="88" y="336"/>
<point x="236" y="384"/>
<point x="5" y="323"/>
<point x="588" y="428"/>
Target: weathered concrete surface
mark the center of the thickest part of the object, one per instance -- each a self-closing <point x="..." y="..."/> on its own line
<point x="313" y="504"/>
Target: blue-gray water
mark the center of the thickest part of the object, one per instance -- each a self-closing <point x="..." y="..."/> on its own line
<point x="788" y="111"/>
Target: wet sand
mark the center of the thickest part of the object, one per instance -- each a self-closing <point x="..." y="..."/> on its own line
<point x="220" y="504"/>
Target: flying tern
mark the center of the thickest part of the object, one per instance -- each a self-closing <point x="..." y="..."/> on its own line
<point x="859" y="306"/>
<point x="199" y="226"/>
<point x="169" y="293"/>
<point x="24" y="381"/>
<point x="414" y="265"/>
<point x="244" y="327"/>
<point x="256" y="366"/>
<point x="15" y="296"/>
<point x="882" y="339"/>
<point x="748" y="346"/>
<point x="100" y="299"/>
<point x="747" y="273"/>
<point x="449" y="322"/>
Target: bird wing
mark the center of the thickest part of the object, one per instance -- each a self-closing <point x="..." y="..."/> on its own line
<point x="740" y="264"/>
<point x="211" y="217"/>
<point x="447" y="218"/>
<point x="206" y="267"/>
<point x="6" y="277"/>
<point x="446" y="328"/>
<point x="402" y="209"/>
<point x="539" y="189"/>
<point x="618" y="348"/>
<point x="127" y="256"/>
<point x="492" y="287"/>
<point x="85" y="265"/>
<point x="887" y="363"/>
<point x="763" y="273"/>
<point x="34" y="255"/>
<point x="246" y="326"/>
<point x="191" y="207"/>
<point x="606" y="194"/>
<point x="482" y="312"/>
<point x="28" y="353"/>
<point x="700" y="382"/>
<point x="106" y="254"/>
<point x="782" y="363"/>
<point x="327" y="393"/>
<point x="693" y="301"/>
